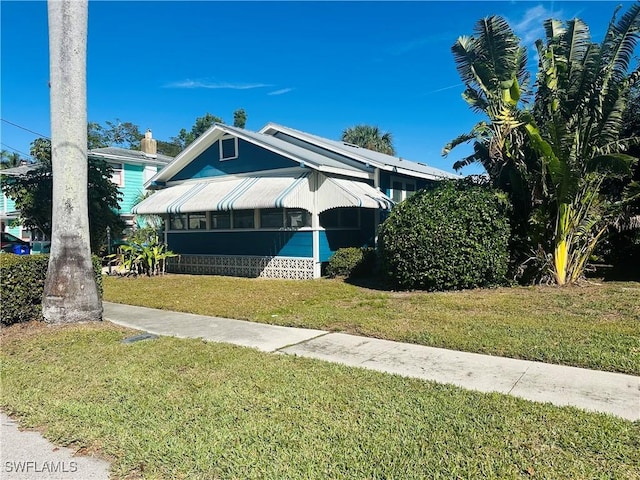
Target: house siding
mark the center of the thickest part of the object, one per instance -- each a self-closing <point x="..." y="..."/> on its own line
<point x="267" y="244"/>
<point x="251" y="158"/>
<point x="133" y="186"/>
<point x="332" y="240"/>
<point x="287" y="243"/>
<point x="8" y="205"/>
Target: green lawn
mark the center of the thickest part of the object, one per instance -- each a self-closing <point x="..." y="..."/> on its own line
<point x="593" y="325"/>
<point x="177" y="408"/>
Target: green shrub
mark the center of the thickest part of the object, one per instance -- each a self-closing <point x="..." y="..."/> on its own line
<point x="454" y="236"/>
<point x="22" y="280"/>
<point x="352" y="262"/>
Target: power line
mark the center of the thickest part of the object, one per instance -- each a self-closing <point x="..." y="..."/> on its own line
<point x="15" y="149"/>
<point x="24" y="128"/>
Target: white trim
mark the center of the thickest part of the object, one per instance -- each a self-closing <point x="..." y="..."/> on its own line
<point x="222" y="158"/>
<point x="403" y="191"/>
<point x="116" y="169"/>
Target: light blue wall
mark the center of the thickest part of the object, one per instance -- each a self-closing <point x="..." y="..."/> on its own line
<point x="6" y="204"/>
<point x="133" y="186"/>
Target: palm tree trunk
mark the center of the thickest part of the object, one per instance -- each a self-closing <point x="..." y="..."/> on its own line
<point x="70" y="293"/>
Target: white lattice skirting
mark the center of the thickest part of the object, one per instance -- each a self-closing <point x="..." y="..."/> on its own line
<point x="241" y="266"/>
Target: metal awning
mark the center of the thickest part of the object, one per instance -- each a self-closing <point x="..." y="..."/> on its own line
<point x="245" y="193"/>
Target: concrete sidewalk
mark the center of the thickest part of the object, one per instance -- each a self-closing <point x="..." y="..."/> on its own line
<point x="26" y="455"/>
<point x="613" y="393"/>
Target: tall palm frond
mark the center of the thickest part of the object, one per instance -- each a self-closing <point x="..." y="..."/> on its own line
<point x="369" y="137"/>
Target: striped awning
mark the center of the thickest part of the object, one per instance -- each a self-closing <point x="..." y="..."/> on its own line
<point x="245" y="193"/>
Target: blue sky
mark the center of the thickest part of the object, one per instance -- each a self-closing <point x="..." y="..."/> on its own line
<point x="319" y="67"/>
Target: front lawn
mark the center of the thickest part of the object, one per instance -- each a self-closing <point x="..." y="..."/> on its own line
<point x="184" y="408"/>
<point x="594" y="326"/>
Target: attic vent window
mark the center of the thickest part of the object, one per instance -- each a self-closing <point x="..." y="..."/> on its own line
<point x="228" y="148"/>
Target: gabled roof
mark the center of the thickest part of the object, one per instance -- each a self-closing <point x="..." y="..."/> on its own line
<point x="362" y="155"/>
<point x="301" y="156"/>
<point x="117" y="154"/>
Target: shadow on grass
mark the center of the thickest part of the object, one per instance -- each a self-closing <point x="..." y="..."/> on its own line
<point x="372" y="282"/>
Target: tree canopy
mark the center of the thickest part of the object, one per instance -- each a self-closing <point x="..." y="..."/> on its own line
<point x="9" y="159"/>
<point x="114" y="134"/>
<point x="369" y="137"/>
<point x="239" y="118"/>
<point x="201" y="125"/>
<point x="32" y="194"/>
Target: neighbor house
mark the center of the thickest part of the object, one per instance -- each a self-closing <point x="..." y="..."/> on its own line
<point x="9" y="216"/>
<point x="275" y="203"/>
<point x="131" y="170"/>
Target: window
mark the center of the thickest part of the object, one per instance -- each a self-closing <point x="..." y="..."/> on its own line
<point x="243" y="219"/>
<point x="220" y="220"/>
<point x="178" y="221"/>
<point x="401" y="189"/>
<point x="340" y="218"/>
<point x="117" y="176"/>
<point x="228" y="148"/>
<point x="271" y="218"/>
<point x="297" y="218"/>
<point x="198" y="221"/>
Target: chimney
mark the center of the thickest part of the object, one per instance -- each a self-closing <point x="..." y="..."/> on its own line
<point x="148" y="145"/>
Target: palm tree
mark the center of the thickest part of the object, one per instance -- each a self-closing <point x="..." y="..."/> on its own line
<point x="70" y="293"/>
<point x="552" y="159"/>
<point x="583" y="89"/>
<point x="9" y="159"/>
<point x="369" y="137"/>
<point x="492" y="65"/>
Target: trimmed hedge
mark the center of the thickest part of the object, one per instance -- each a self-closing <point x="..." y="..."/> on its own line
<point x="352" y="262"/>
<point x="22" y="280"/>
<point x="454" y="236"/>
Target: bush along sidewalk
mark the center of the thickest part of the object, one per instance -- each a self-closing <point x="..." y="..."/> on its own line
<point x="22" y="280"/>
<point x="454" y="236"/>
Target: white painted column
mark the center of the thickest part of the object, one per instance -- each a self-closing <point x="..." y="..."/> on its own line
<point x="376" y="215"/>
<point x="315" y="226"/>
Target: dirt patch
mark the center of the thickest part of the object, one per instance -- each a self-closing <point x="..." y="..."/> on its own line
<point x="25" y="330"/>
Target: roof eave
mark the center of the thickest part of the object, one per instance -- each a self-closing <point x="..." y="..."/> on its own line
<point x="273" y="127"/>
<point x="125" y="158"/>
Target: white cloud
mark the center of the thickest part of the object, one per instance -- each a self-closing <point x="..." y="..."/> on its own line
<point x="531" y="27"/>
<point x="214" y="85"/>
<point x="418" y="44"/>
<point x="282" y="91"/>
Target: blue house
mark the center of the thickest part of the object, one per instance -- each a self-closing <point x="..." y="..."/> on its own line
<point x="275" y="203"/>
